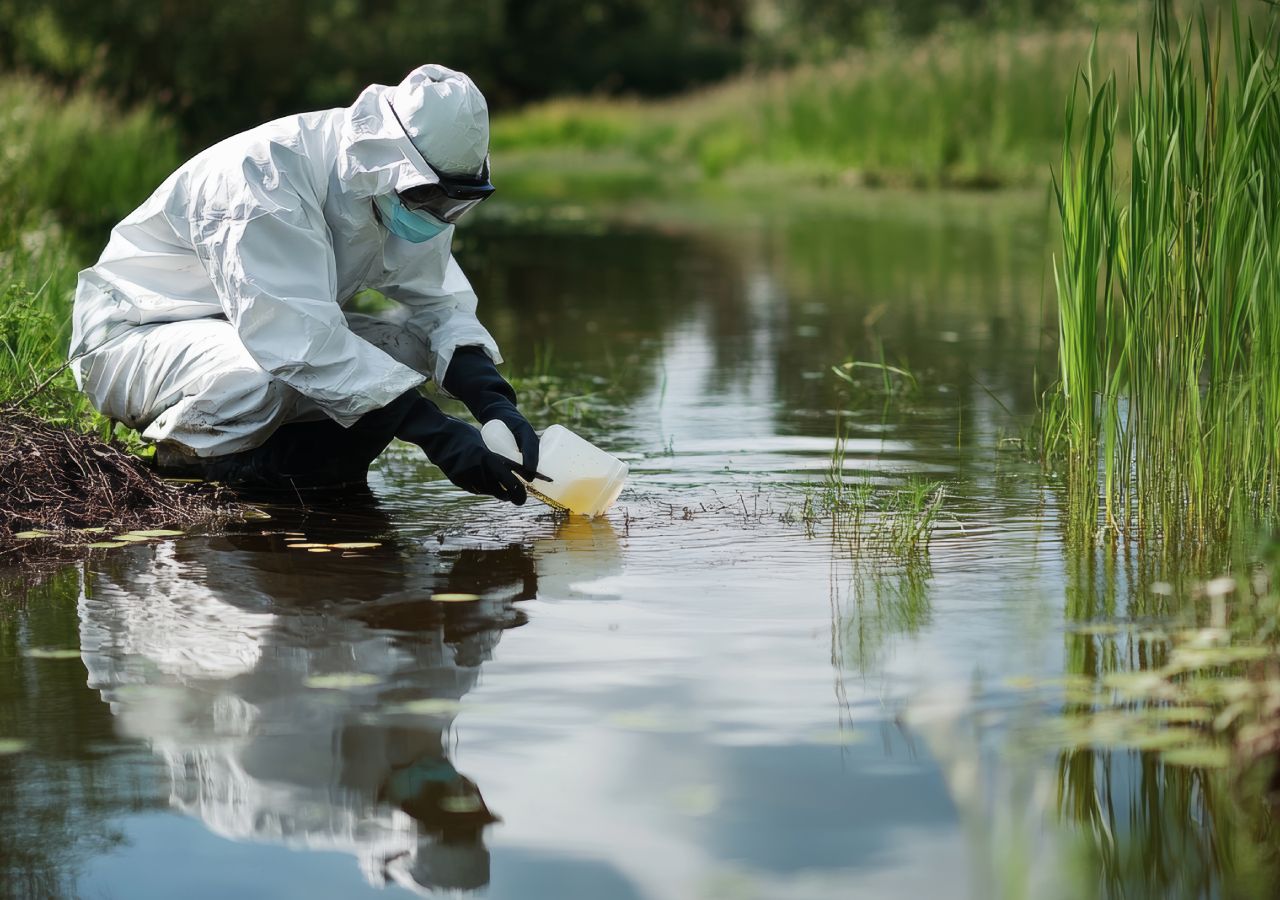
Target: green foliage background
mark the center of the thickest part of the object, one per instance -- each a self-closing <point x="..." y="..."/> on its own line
<point x="219" y="68"/>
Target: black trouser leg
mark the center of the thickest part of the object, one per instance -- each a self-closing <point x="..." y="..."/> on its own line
<point x="312" y="454"/>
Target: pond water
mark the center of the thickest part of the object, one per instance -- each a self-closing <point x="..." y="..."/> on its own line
<point x="711" y="692"/>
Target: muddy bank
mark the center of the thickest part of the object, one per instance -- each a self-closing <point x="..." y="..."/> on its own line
<point x="74" y="489"/>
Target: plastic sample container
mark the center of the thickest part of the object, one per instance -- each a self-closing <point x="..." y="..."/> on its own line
<point x="585" y="479"/>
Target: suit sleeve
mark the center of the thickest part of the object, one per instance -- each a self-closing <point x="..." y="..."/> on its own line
<point x="441" y="306"/>
<point x="275" y="275"/>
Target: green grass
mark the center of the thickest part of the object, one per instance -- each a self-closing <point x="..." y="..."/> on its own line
<point x="966" y="109"/>
<point x="890" y="522"/>
<point x="1167" y="285"/>
<point x="74" y="165"/>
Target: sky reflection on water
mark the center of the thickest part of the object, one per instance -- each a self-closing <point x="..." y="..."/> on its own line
<point x="697" y="697"/>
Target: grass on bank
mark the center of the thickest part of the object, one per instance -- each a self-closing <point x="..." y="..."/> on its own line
<point x="1167" y="286"/>
<point x="969" y="108"/>
<point x="74" y="165"/>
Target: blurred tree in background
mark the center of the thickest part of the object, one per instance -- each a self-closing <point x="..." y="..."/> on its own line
<point x="226" y="66"/>
<point x="218" y="68"/>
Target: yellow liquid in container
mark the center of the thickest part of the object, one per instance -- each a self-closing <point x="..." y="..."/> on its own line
<point x="585" y="479"/>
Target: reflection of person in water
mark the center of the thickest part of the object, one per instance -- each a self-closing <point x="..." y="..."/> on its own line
<point x="300" y="699"/>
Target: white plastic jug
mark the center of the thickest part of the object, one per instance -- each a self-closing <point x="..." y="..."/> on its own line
<point x="585" y="479"/>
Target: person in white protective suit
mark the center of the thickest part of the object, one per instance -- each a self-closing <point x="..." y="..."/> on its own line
<point x="214" y="324"/>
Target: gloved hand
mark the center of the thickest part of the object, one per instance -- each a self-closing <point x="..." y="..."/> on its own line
<point x="459" y="451"/>
<point x="474" y="379"/>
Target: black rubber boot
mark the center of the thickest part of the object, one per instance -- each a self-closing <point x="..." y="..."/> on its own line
<point x="303" y="455"/>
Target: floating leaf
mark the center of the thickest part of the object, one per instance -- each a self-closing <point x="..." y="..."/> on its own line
<point x="1136" y="684"/>
<point x="696" y="800"/>
<point x="356" y="545"/>
<point x="837" y="738"/>
<point x="253" y="512"/>
<point x="465" y="804"/>
<point x="51" y="653"/>
<point x="1229" y="689"/>
<point x="305" y="546"/>
<point x="1103" y="629"/>
<point x="655" y="720"/>
<point x="9" y="746"/>
<point x="1186" y="658"/>
<point x="319" y="550"/>
<point x="159" y="532"/>
<point x="1202" y="757"/>
<point x="33" y="535"/>
<point x="429" y="706"/>
<point x="340" y="680"/>
<point x="106" y="545"/>
<point x="132" y="538"/>
<point x="1181" y="714"/>
<point x="1162" y="739"/>
<point x="1079" y="696"/>
<point x="1204" y="637"/>
<point x="96" y="529"/>
<point x="455" y="598"/>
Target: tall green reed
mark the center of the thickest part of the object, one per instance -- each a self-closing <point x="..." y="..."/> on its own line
<point x="1168" y="404"/>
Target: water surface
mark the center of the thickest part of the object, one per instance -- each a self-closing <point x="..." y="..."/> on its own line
<point x="703" y="694"/>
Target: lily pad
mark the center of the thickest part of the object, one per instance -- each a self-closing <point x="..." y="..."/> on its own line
<point x="308" y="546"/>
<point x="1021" y="683"/>
<point x="837" y="738"/>
<point x="319" y="550"/>
<point x="1136" y="684"/>
<point x="1103" y="629"/>
<point x="1203" y="757"/>
<point x="1180" y="714"/>
<point x="106" y="545"/>
<point x="464" y="804"/>
<point x="132" y="538"/>
<point x="33" y="535"/>
<point x="159" y="532"/>
<point x="428" y="706"/>
<point x="51" y="653"/>
<point x="696" y="800"/>
<point x="1186" y="658"/>
<point x="94" y="529"/>
<point x="658" y="721"/>
<point x="341" y="680"/>
<point x="455" y="598"/>
<point x="9" y="746"/>
<point x="356" y="545"/>
<point x="1155" y="738"/>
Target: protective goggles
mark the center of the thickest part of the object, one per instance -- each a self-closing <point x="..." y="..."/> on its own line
<point x="449" y="198"/>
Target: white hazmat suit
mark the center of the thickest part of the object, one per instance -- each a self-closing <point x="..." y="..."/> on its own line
<point x="215" y="314"/>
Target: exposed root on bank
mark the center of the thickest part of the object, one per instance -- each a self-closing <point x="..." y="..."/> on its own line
<point x="61" y="481"/>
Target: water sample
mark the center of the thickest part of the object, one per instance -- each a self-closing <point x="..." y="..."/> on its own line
<point x="585" y="479"/>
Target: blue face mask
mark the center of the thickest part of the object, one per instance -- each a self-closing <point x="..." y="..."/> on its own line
<point x="413" y="225"/>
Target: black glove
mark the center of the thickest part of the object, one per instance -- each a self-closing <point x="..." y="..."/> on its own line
<point x="459" y="451"/>
<point x="474" y="379"/>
